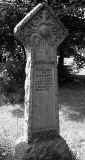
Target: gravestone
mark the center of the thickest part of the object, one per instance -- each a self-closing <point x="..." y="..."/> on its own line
<point x="40" y="33"/>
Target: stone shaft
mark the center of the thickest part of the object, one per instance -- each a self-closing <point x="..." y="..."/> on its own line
<point x="41" y="33"/>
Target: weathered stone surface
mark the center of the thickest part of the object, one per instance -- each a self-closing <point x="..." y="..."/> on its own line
<point x="41" y="33"/>
<point x="53" y="149"/>
<point x="44" y="97"/>
<point x="40" y="98"/>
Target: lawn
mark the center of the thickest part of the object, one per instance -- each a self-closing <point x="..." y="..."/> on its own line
<point x="72" y="117"/>
<point x="11" y="127"/>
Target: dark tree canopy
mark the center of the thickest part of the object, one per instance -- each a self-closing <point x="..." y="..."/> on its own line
<point x="71" y="13"/>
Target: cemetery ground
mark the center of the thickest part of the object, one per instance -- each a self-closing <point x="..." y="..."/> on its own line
<point x="71" y="115"/>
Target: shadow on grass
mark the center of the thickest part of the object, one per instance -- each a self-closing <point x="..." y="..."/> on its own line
<point x="18" y="112"/>
<point x="72" y="100"/>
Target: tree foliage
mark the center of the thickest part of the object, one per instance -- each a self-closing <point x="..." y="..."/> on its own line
<point x="12" y="55"/>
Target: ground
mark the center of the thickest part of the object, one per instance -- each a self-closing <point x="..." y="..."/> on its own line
<point x="72" y="119"/>
<point x="11" y="122"/>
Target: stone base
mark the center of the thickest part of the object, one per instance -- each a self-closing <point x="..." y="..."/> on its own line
<point x="53" y="149"/>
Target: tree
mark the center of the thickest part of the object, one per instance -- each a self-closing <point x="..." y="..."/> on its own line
<point x="12" y="55"/>
<point x="71" y="13"/>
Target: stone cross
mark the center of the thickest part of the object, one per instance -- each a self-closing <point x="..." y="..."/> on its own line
<point x="41" y="33"/>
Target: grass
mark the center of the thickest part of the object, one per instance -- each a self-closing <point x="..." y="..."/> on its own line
<point x="11" y="125"/>
<point x="72" y="118"/>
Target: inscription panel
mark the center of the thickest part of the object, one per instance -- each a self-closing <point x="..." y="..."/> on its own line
<point x="42" y="79"/>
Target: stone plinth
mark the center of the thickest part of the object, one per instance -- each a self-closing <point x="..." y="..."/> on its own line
<point x="51" y="148"/>
<point x="41" y="33"/>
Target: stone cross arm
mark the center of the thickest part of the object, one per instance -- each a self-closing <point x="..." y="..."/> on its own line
<point x="27" y="18"/>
